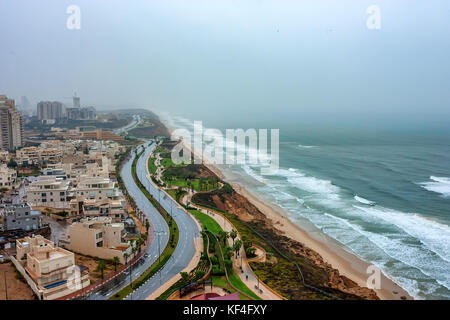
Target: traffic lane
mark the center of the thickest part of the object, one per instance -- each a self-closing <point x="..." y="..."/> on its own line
<point x="157" y="223"/>
<point x="185" y="250"/>
<point x="183" y="254"/>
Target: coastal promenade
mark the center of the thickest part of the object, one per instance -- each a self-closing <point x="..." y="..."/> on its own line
<point x="246" y="275"/>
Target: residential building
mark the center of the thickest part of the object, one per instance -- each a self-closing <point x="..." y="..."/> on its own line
<point x="47" y="110"/>
<point x="20" y="216"/>
<point x="49" y="270"/>
<point x="97" y="188"/>
<point x="11" y="125"/>
<point x="8" y="177"/>
<point x="49" y="191"/>
<point x="98" y="237"/>
<point x="38" y="155"/>
<point x="113" y="208"/>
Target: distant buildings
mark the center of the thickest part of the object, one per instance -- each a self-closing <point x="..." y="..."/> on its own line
<point x="51" y="112"/>
<point x="20" y="216"/>
<point x="101" y="135"/>
<point x="47" y="110"/>
<point x="11" y="125"/>
<point x="88" y="113"/>
<point x="98" y="237"/>
<point x="8" y="177"/>
<point x="49" y="271"/>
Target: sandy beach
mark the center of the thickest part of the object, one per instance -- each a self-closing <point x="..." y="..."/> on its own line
<point x="348" y="264"/>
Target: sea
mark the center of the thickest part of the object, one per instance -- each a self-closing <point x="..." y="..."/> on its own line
<point x="382" y="196"/>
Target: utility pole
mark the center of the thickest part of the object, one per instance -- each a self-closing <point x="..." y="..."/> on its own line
<point x="6" y="287"/>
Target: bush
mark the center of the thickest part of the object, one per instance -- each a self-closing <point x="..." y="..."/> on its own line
<point x="228" y="263"/>
<point x="216" y="271"/>
<point x="214" y="260"/>
<point x="199" y="274"/>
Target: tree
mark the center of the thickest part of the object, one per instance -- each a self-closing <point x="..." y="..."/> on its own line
<point x="223" y="236"/>
<point x="126" y="255"/>
<point x="184" y="277"/>
<point x="101" y="266"/>
<point x="233" y="234"/>
<point x="147" y="225"/>
<point x="12" y="163"/>
<point x="116" y="260"/>
<point x="237" y="246"/>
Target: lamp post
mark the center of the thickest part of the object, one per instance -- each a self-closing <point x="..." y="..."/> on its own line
<point x="6" y="287"/>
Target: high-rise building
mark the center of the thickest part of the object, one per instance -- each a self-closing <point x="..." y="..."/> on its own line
<point x="11" y="125"/>
<point x="76" y="101"/>
<point x="47" y="110"/>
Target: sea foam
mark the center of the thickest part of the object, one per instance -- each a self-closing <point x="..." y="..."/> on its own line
<point x="439" y="185"/>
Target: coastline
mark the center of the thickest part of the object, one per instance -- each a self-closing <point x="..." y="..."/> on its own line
<point x="348" y="264"/>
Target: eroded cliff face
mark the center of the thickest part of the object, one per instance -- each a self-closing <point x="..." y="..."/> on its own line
<point x="240" y="206"/>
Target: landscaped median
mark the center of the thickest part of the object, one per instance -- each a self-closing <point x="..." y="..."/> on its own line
<point x="168" y="250"/>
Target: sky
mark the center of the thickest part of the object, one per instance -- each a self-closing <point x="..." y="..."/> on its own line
<point x="270" y="61"/>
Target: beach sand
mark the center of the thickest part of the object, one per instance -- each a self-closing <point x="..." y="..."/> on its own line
<point x="349" y="265"/>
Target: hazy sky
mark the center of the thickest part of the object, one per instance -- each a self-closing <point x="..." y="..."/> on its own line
<point x="233" y="59"/>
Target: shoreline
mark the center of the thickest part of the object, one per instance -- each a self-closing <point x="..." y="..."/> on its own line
<point x="348" y="264"/>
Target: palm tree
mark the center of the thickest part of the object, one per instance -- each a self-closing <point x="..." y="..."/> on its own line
<point x="223" y="236"/>
<point x="237" y="246"/>
<point x="115" y="260"/>
<point x="233" y="234"/>
<point x="126" y="255"/>
<point x="101" y="266"/>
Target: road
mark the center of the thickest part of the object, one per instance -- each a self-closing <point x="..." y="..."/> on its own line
<point x="188" y="231"/>
<point x="184" y="251"/>
<point x="158" y="227"/>
<point x="136" y="121"/>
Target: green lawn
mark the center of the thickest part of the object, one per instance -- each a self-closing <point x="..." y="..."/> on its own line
<point x="206" y="221"/>
<point x="194" y="184"/>
<point x="151" y="165"/>
<point x="237" y="282"/>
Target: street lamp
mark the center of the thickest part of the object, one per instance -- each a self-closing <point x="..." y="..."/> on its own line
<point x="6" y="287"/>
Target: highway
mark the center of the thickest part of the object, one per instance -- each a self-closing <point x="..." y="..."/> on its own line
<point x="188" y="231"/>
<point x="158" y="226"/>
<point x="136" y="121"/>
<point x="184" y="251"/>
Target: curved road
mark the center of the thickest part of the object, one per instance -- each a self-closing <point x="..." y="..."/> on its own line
<point x="158" y="226"/>
<point x="188" y="231"/>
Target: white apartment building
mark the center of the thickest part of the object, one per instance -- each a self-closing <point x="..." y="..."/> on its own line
<point x="49" y="191"/>
<point x="97" y="188"/>
<point x="50" y="271"/>
<point x="8" y="177"/>
<point x="98" y="237"/>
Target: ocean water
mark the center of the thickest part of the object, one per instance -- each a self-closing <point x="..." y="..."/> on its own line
<point x="384" y="197"/>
